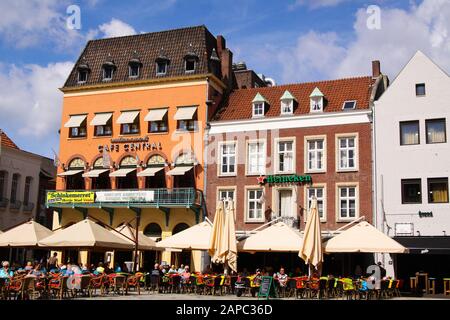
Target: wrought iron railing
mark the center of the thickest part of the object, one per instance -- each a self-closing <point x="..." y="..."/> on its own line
<point x="153" y="197"/>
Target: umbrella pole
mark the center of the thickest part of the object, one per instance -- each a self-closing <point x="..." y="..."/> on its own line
<point x="136" y="247"/>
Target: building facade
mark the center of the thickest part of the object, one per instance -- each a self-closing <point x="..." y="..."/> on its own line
<point x="134" y="113"/>
<point x="276" y="148"/>
<point x="412" y="167"/>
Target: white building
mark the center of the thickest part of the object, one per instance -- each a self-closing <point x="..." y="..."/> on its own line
<point x="412" y="167"/>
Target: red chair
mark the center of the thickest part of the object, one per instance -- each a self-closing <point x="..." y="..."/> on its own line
<point x="96" y="283"/>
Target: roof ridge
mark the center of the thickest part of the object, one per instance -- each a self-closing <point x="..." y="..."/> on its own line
<point x="152" y="32"/>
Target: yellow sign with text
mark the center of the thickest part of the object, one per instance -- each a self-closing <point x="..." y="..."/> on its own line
<point x="61" y="197"/>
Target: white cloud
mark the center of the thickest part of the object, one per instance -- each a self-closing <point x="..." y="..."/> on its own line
<point x="423" y="27"/>
<point x="114" y="28"/>
<point x="315" y="4"/>
<point x="26" y="23"/>
<point x="31" y="103"/>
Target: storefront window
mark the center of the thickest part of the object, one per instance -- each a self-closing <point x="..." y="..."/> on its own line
<point x="411" y="191"/>
<point x="438" y="190"/>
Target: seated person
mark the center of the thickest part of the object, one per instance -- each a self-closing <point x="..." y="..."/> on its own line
<point x="180" y="269"/>
<point x="173" y="269"/>
<point x="157" y="271"/>
<point x="186" y="274"/>
<point x="282" y="277"/>
<point x="5" y="271"/>
<point x="100" y="269"/>
<point x="29" y="266"/>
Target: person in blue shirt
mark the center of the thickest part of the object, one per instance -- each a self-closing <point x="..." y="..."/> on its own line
<point x="5" y="271"/>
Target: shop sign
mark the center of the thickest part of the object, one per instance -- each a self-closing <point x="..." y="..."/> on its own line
<point x="276" y="179"/>
<point x="61" y="197"/>
<point x="130" y="145"/>
<point x="125" y="196"/>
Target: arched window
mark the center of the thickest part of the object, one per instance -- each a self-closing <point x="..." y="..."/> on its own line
<point x="156" y="160"/>
<point x="187" y="158"/>
<point x="77" y="163"/>
<point x="98" y="164"/>
<point x="128" y="161"/>
<point x="180" y="227"/>
<point x="153" y="230"/>
<point x="76" y="181"/>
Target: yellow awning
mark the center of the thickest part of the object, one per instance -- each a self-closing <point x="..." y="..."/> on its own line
<point x="70" y="173"/>
<point x="179" y="171"/>
<point x="94" y="173"/>
<point x="122" y="172"/>
<point x="127" y="117"/>
<point x="75" y="121"/>
<point x="156" y="115"/>
<point x="185" y="113"/>
<point x="150" y="172"/>
<point x="101" y="119"/>
<point x="195" y="238"/>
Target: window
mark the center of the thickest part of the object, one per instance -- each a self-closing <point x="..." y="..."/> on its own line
<point x="347" y="153"/>
<point x="3" y="180"/>
<point x="409" y="133"/>
<point x="319" y="194"/>
<point x="133" y="70"/>
<point x="226" y="195"/>
<point x="420" y="89"/>
<point x="256" y="158"/>
<point x="411" y="191"/>
<point x="285" y="156"/>
<point x="26" y="195"/>
<point x="159" y="126"/>
<point x="438" y="190"/>
<point x="82" y="76"/>
<point x="315" y="155"/>
<point x="161" y="67"/>
<point x="188" y="124"/>
<point x="436" y="131"/>
<point x="254" y="204"/>
<point x="106" y="130"/>
<point x="258" y="109"/>
<point x="14" y="187"/>
<point x="130" y="128"/>
<point x="190" y="64"/>
<point x="347" y="202"/>
<point x="228" y="159"/>
<point x="108" y="73"/>
<point x="349" y="105"/>
<point x="317" y="104"/>
<point x="287" y="107"/>
<point x="78" y="132"/>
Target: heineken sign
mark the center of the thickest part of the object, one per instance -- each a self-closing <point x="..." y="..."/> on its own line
<point x="275" y="179"/>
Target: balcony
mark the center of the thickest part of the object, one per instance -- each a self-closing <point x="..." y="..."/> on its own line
<point x="3" y="203"/>
<point x="136" y="198"/>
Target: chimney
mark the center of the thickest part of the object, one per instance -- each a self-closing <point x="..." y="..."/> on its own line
<point x="221" y="45"/>
<point x="227" y="67"/>
<point x="376" y="68"/>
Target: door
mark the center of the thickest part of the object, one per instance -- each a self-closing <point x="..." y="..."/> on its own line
<point x="285" y="204"/>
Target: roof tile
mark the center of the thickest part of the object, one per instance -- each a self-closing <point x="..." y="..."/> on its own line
<point x="5" y="141"/>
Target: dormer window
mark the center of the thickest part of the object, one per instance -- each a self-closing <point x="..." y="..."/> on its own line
<point x="161" y="67"/>
<point x="133" y="70"/>
<point x="316" y="101"/>
<point x="190" y="64"/>
<point x="190" y="60"/>
<point x="259" y="106"/>
<point x="108" y="73"/>
<point x="287" y="103"/>
<point x="349" y="105"/>
<point x="82" y="75"/>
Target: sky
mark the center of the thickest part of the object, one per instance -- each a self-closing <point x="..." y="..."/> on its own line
<point x="287" y="40"/>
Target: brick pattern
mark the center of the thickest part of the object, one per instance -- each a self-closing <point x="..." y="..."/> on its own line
<point x="363" y="176"/>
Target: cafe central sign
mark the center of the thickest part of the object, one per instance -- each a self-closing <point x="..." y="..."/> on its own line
<point x="277" y="179"/>
<point x="130" y="145"/>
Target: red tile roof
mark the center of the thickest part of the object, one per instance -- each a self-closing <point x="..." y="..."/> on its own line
<point x="6" y="141"/>
<point x="238" y="106"/>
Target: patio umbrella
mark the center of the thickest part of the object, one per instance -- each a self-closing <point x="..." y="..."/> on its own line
<point x="228" y="247"/>
<point x="194" y="238"/>
<point x="363" y="237"/>
<point x="311" y="249"/>
<point x="279" y="237"/>
<point x="86" y="234"/>
<point x="129" y="234"/>
<point x="215" y="243"/>
<point x="25" y="235"/>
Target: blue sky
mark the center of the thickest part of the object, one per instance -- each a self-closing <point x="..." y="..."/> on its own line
<point x="290" y="41"/>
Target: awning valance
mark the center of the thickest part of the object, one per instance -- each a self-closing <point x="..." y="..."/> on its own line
<point x="122" y="172"/>
<point x="127" y="117"/>
<point x="156" y="115"/>
<point x="69" y="173"/>
<point x="179" y="171"/>
<point x="185" y="113"/>
<point x="75" y="121"/>
<point x="101" y="119"/>
<point x="150" y="172"/>
<point x="94" y="173"/>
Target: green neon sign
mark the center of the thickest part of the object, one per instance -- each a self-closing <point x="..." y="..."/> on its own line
<point x="275" y="179"/>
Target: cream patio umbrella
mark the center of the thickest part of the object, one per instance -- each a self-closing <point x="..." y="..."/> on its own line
<point x="311" y="249"/>
<point x="25" y="235"/>
<point x="215" y="243"/>
<point x="363" y="237"/>
<point x="228" y="247"/>
<point x="194" y="238"/>
<point x="86" y="234"/>
<point x="279" y="237"/>
<point x="129" y="234"/>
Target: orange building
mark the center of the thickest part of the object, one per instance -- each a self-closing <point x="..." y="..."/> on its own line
<point x="134" y="113"/>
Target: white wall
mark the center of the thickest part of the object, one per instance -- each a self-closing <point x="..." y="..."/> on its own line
<point x="395" y="162"/>
<point x="27" y="165"/>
